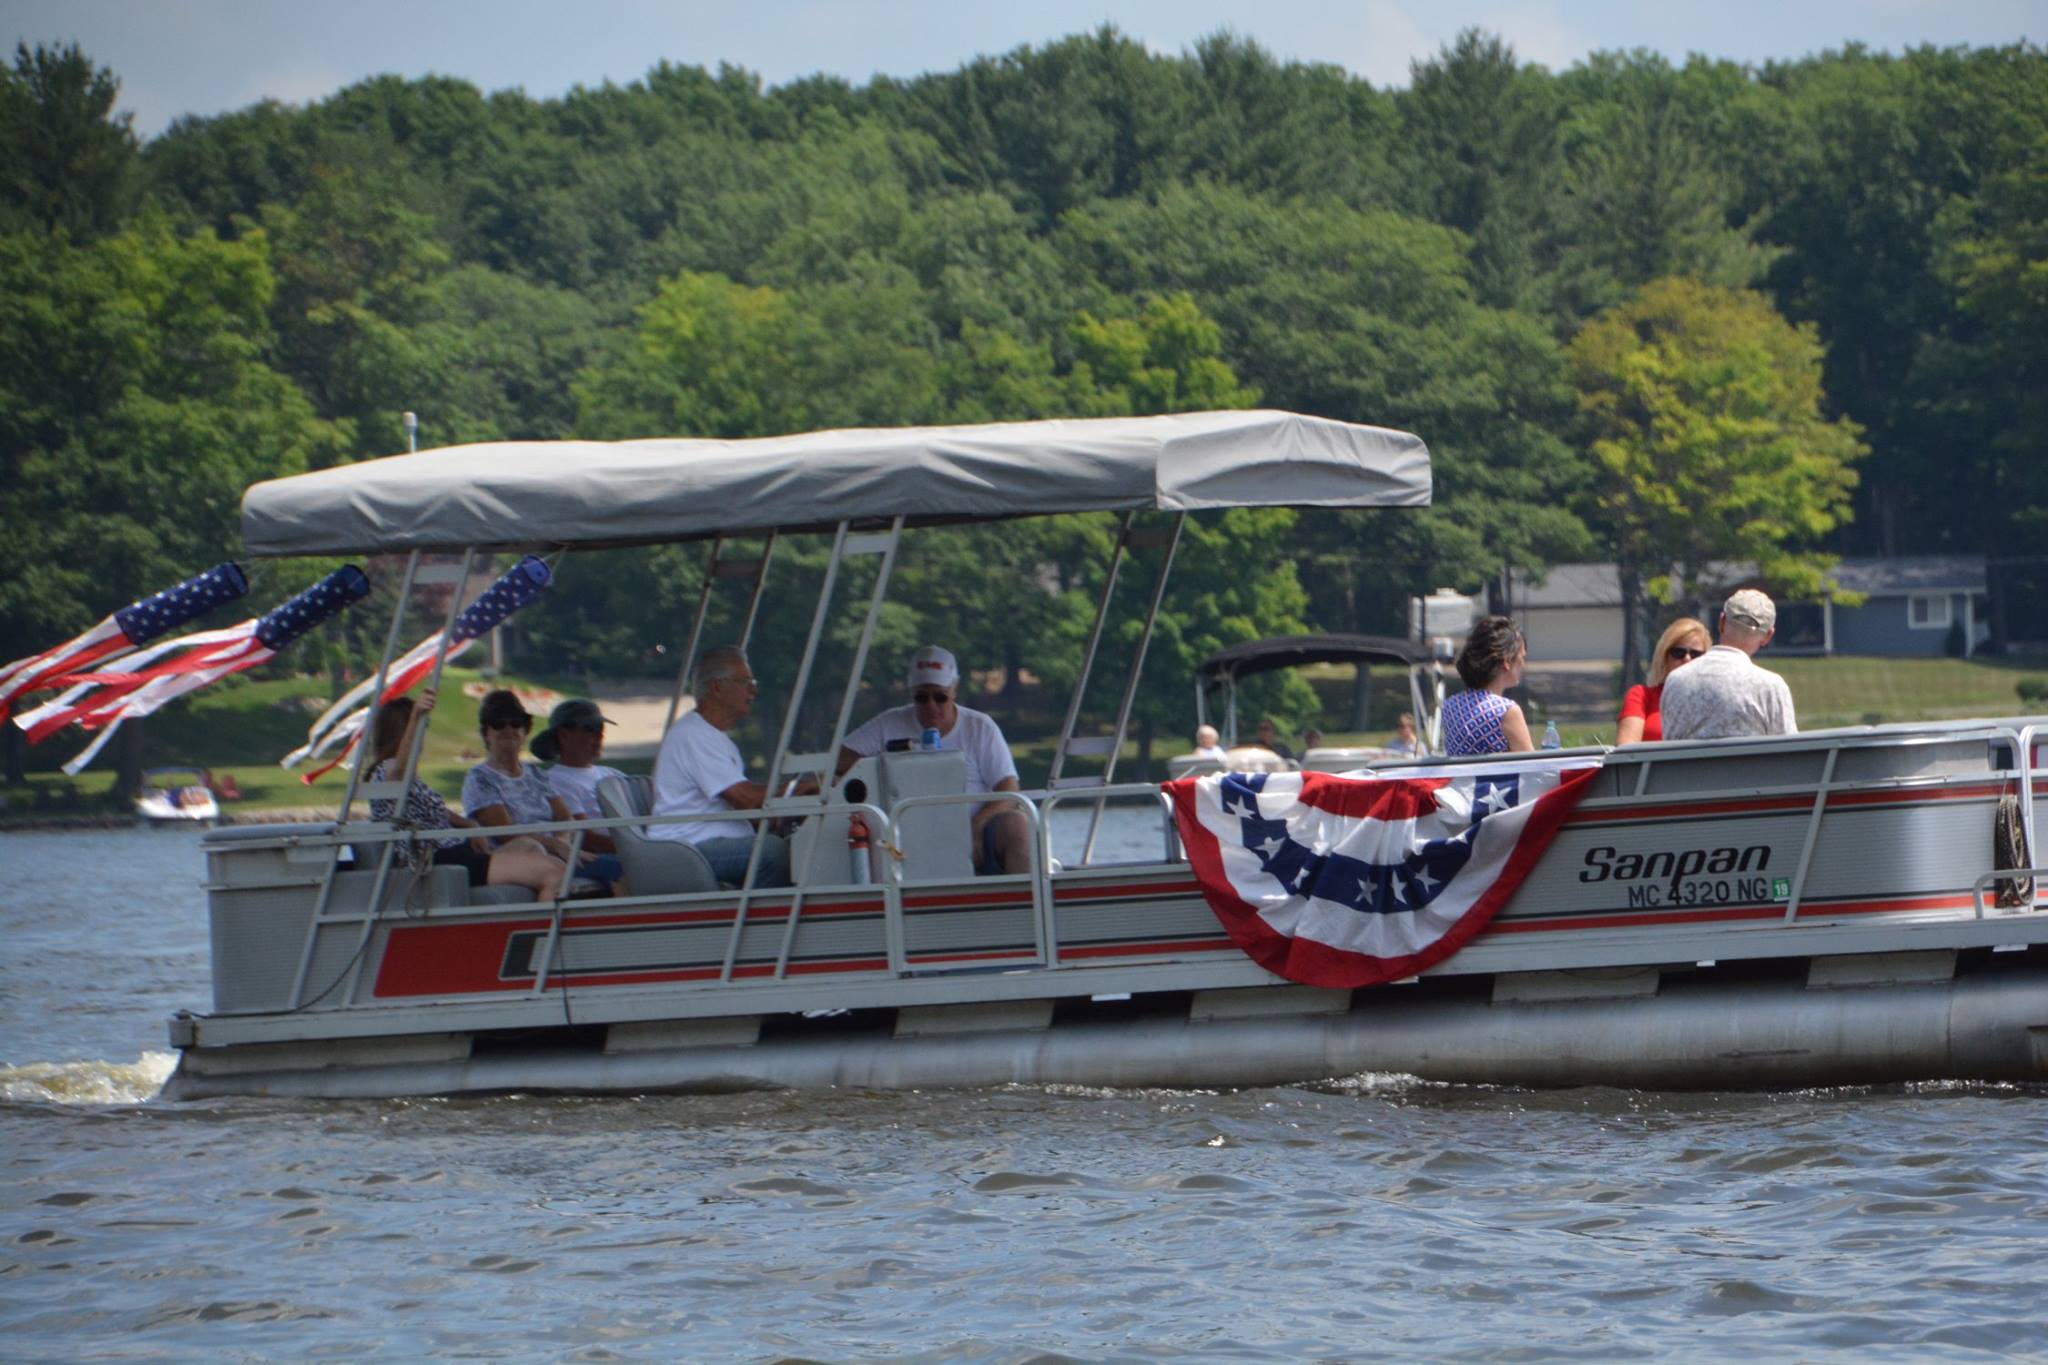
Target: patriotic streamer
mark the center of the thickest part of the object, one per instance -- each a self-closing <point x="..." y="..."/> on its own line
<point x="129" y="628"/>
<point x="140" y="685"/>
<point x="342" y="723"/>
<point x="1353" y="881"/>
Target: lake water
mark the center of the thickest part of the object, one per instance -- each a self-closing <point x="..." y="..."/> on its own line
<point x="1363" y="1216"/>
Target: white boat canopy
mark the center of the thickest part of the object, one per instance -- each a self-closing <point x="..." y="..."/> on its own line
<point x="594" y="493"/>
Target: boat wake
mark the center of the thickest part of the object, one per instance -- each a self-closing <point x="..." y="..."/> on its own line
<point x="86" y="1083"/>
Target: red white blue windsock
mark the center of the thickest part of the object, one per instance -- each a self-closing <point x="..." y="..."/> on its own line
<point x="129" y="628"/>
<point x="144" y="681"/>
<point x="343" y="721"/>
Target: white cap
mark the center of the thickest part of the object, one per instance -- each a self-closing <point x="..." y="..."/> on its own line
<point x="933" y="667"/>
<point x="1750" y="608"/>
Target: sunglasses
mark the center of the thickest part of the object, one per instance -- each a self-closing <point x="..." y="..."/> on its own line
<point x="1680" y="653"/>
<point x="520" y="725"/>
<point x="930" y="698"/>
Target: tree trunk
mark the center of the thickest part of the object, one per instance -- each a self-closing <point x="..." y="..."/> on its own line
<point x="1361" y="699"/>
<point x="1013" y="683"/>
<point x="1631" y="623"/>
<point x="14" y="751"/>
<point x="1145" y="751"/>
<point x="129" y="778"/>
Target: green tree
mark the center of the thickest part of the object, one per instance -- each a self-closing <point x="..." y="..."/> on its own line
<point x="67" y="160"/>
<point x="1368" y="317"/>
<point x="1704" y="411"/>
<point x="1989" y="371"/>
<point x="354" y="268"/>
<point x="1167" y="359"/>
<point x="1483" y="134"/>
<point x="1850" y="158"/>
<point x="1645" y="194"/>
<point x="135" y="407"/>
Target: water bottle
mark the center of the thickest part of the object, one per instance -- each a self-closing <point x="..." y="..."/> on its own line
<point x="930" y="742"/>
<point x="1550" y="738"/>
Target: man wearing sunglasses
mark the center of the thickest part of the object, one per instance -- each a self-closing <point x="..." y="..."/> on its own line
<point x="1723" y="693"/>
<point x="1002" y="839"/>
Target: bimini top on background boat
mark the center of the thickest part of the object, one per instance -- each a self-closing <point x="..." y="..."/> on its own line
<point x="1223" y="670"/>
<point x="1830" y="907"/>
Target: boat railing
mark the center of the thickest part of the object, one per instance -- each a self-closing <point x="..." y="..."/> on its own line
<point x="387" y="840"/>
<point x="2013" y="760"/>
<point x="1997" y="735"/>
<point x="1100" y="797"/>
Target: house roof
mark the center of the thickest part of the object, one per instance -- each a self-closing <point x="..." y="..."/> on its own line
<point x="1900" y="574"/>
<point x="1598" y="585"/>
<point x="1570" y="585"/>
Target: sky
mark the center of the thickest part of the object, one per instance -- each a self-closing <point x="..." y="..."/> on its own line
<point x="177" y="57"/>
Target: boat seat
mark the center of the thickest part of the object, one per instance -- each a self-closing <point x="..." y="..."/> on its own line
<point x="446" y="886"/>
<point x="654" y="867"/>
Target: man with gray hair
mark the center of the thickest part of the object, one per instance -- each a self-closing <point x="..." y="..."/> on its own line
<point x="1723" y="693"/>
<point x="700" y="772"/>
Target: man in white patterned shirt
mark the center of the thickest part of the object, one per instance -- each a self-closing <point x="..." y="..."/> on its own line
<point x="1723" y="693"/>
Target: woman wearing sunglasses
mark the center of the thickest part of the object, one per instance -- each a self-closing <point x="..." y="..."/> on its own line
<point x="502" y="790"/>
<point x="1682" y="641"/>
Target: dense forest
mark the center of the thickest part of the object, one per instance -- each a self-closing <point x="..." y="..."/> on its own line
<point x="1656" y="313"/>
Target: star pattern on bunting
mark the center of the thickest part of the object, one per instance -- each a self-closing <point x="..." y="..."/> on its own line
<point x="1369" y="888"/>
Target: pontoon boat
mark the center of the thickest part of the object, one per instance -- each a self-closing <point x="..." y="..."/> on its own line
<point x="1830" y="907"/>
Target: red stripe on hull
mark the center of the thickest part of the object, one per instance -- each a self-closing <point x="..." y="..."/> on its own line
<point x="1808" y="911"/>
<point x="1762" y="805"/>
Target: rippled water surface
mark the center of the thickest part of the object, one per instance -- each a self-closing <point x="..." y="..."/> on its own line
<point x="1361" y="1217"/>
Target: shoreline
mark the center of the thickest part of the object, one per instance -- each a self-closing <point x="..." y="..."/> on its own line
<point x="60" y="823"/>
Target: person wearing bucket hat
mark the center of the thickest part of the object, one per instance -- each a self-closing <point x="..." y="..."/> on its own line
<point x="1723" y="693"/>
<point x="1002" y="839"/>
<point x="573" y="743"/>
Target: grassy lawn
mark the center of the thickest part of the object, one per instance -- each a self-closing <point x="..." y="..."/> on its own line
<point x="1862" y="691"/>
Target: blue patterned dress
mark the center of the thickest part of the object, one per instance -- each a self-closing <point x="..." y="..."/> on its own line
<point x="1472" y="722"/>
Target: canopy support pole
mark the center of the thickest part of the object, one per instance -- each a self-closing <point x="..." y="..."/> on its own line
<point x="715" y="568"/>
<point x="412" y="758"/>
<point x="1123" y="710"/>
<point x="887" y="546"/>
<point x="819" y="616"/>
<point x="1116" y="560"/>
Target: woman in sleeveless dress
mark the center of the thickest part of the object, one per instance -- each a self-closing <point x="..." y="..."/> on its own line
<point x="1481" y="720"/>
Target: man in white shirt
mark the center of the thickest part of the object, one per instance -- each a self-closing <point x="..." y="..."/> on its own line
<point x="1723" y="693"/>
<point x="700" y="772"/>
<point x="1209" y="745"/>
<point x="1002" y="837"/>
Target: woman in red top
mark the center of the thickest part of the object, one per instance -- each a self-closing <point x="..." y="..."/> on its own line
<point x="1682" y="641"/>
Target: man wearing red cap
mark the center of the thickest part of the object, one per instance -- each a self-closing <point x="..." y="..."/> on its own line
<point x="1002" y="839"/>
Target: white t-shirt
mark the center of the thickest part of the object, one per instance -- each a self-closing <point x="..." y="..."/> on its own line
<point x="698" y="761"/>
<point x="975" y="734"/>
<point x="1723" y="693"/>
<point x="578" y="787"/>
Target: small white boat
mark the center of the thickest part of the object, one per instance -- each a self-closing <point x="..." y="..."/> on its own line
<point x="1844" y="906"/>
<point x="176" y="796"/>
